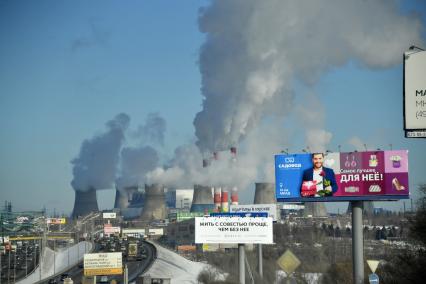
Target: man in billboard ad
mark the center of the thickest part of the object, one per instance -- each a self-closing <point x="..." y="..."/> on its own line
<point x="346" y="176"/>
<point x="318" y="181"/>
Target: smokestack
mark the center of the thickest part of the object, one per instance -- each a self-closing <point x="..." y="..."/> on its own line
<point x="202" y="199"/>
<point x="217" y="197"/>
<point x="265" y="193"/>
<point x="155" y="203"/>
<point x="225" y="201"/>
<point x="124" y="196"/>
<point x="85" y="203"/>
<point x="234" y="196"/>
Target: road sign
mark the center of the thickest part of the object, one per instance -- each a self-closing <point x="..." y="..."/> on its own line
<point x="103" y="263"/>
<point x="288" y="262"/>
<point x="373" y="278"/>
<point x="133" y="249"/>
<point x="373" y="264"/>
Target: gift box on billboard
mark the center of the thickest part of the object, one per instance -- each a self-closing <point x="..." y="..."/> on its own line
<point x="309" y="188"/>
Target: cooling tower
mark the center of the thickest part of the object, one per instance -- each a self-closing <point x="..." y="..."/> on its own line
<point x="315" y="209"/>
<point x="202" y="199"/>
<point x="155" y="203"/>
<point x="265" y="193"/>
<point x="367" y="210"/>
<point x="85" y="202"/>
<point x="124" y="196"/>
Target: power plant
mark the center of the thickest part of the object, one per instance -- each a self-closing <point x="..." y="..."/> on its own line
<point x="154" y="204"/>
<point x="368" y="208"/>
<point x="123" y="197"/>
<point x="202" y="200"/>
<point x="85" y="202"/>
<point x="315" y="209"/>
<point x="264" y="193"/>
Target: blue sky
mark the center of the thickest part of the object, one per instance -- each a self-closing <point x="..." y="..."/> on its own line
<point x="67" y="67"/>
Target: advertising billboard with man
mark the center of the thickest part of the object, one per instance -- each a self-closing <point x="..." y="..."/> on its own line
<point x="369" y="175"/>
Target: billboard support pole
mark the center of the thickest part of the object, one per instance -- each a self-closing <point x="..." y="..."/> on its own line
<point x="260" y="260"/>
<point x="241" y="257"/>
<point x="357" y="242"/>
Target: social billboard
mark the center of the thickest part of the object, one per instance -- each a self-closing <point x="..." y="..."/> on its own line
<point x="233" y="230"/>
<point x="345" y="176"/>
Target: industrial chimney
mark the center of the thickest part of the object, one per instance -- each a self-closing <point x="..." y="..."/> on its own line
<point x="85" y="203"/>
<point x="155" y="203"/>
<point x="202" y="199"/>
<point x="234" y="196"/>
<point x="124" y="196"/>
<point x="264" y="193"/>
<point x="225" y="200"/>
<point x="217" y="198"/>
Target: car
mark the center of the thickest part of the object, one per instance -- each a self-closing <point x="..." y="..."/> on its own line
<point x="63" y="276"/>
<point x="103" y="279"/>
<point x="81" y="265"/>
<point x="52" y="281"/>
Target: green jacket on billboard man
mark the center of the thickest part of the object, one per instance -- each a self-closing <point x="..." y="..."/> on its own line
<point x="318" y="181"/>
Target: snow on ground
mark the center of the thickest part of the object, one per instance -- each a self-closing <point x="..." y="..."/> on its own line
<point x="178" y="268"/>
<point x="54" y="262"/>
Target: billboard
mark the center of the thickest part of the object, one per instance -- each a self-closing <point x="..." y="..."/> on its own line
<point x="233" y="230"/>
<point x="56" y="221"/>
<point x="271" y="209"/>
<point x="109" y="230"/>
<point x="369" y="175"/>
<point x="109" y="215"/>
<point x="103" y="263"/>
<point x="415" y="94"/>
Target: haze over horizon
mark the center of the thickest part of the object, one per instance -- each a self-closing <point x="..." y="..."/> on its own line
<point x="153" y="87"/>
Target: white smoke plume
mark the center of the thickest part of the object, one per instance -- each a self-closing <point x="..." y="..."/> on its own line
<point x="357" y="143"/>
<point x="153" y="131"/>
<point x="255" y="51"/>
<point x="135" y="163"/>
<point x="96" y="165"/>
<point x="255" y="54"/>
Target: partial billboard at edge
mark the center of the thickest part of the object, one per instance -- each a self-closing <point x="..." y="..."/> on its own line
<point x="369" y="175"/>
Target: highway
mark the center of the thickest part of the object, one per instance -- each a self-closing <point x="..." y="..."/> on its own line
<point x="134" y="266"/>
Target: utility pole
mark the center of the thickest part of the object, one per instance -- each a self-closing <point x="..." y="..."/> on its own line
<point x="358" y="242"/>
<point x="260" y="260"/>
<point x="241" y="258"/>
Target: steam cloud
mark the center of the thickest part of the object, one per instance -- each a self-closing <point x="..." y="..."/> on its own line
<point x="135" y="163"/>
<point x="152" y="132"/>
<point x="96" y="165"/>
<point x="256" y="50"/>
<point x="254" y="55"/>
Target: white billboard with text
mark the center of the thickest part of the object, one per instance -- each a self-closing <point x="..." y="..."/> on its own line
<point x="235" y="230"/>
